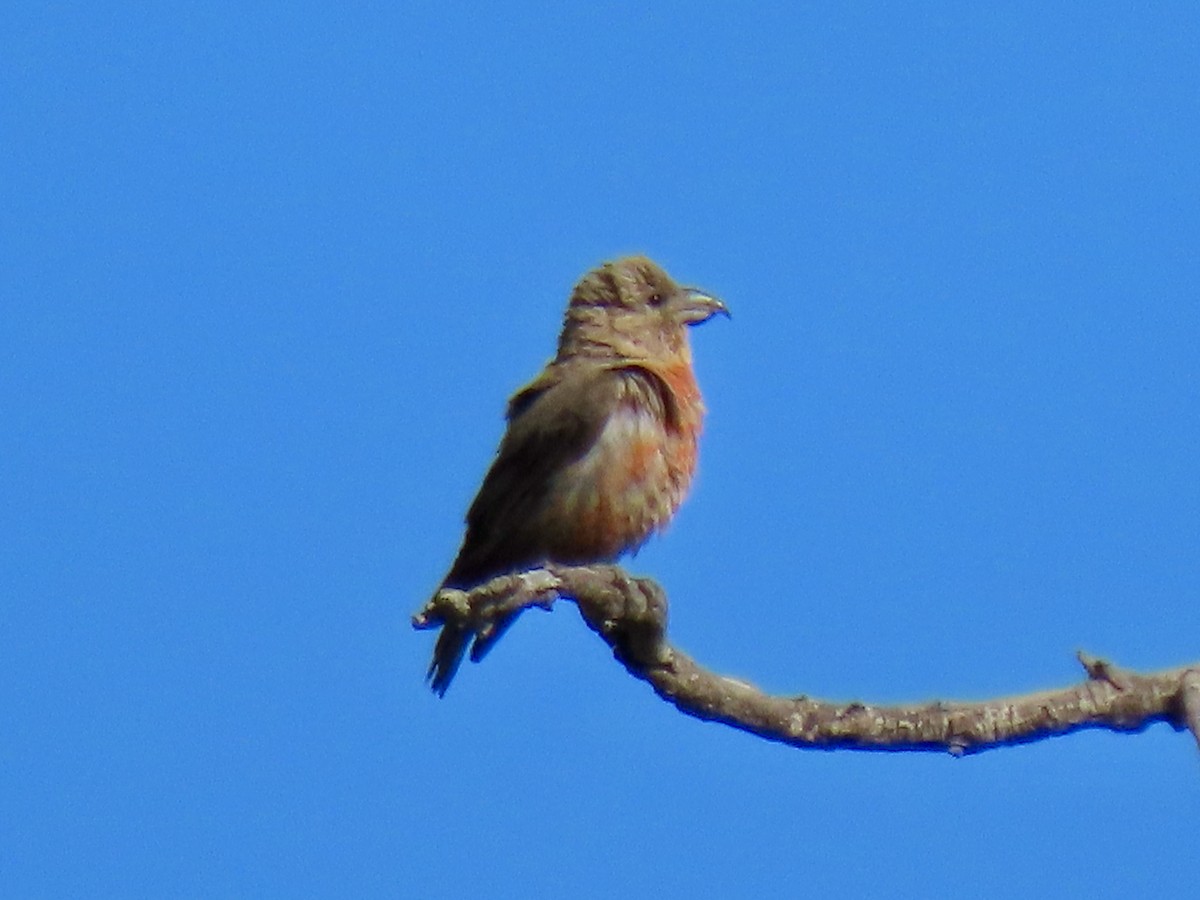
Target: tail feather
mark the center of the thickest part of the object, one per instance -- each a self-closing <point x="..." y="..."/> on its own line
<point x="486" y="638"/>
<point x="448" y="655"/>
<point x="451" y="649"/>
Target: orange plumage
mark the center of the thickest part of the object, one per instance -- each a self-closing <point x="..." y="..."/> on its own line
<point x="600" y="447"/>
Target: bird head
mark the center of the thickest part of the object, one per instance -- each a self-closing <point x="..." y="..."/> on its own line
<point x="631" y="308"/>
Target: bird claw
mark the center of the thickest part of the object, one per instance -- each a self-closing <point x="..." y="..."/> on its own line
<point x="634" y="622"/>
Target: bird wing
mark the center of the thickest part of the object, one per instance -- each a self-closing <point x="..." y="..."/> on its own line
<point x="552" y="422"/>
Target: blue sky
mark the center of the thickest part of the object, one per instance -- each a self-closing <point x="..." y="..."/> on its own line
<point x="270" y="272"/>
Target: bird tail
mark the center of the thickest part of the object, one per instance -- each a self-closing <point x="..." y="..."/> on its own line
<point x="487" y="636"/>
<point x="451" y="648"/>
<point x="448" y="655"/>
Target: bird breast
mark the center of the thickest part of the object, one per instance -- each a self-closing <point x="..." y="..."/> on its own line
<point x="632" y="479"/>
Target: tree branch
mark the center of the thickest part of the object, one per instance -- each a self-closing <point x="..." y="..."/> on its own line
<point x="1189" y="701"/>
<point x="630" y="615"/>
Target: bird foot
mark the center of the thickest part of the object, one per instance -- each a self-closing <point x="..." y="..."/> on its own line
<point x="630" y="613"/>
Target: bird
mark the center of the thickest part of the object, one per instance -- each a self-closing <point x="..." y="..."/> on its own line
<point x="599" y="449"/>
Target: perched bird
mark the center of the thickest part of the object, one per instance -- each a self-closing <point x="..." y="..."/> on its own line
<point x="600" y="447"/>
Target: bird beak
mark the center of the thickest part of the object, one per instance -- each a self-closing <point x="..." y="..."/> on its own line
<point x="696" y="306"/>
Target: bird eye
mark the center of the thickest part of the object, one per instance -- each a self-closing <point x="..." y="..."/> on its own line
<point x="656" y="299"/>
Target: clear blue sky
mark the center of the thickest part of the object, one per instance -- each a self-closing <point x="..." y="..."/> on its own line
<point x="269" y="273"/>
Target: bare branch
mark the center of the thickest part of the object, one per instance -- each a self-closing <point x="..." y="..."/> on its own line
<point x="630" y="614"/>
<point x="1189" y="702"/>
